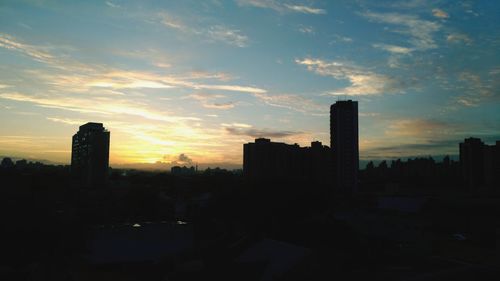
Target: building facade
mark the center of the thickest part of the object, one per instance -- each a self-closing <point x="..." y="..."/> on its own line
<point x="90" y="155"/>
<point x="264" y="159"/>
<point x="345" y="145"/>
<point x="479" y="164"/>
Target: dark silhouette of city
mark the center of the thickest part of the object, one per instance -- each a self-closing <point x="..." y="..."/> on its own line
<point x="292" y="213"/>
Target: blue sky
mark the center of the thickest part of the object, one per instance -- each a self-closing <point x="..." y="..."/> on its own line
<point x="200" y="78"/>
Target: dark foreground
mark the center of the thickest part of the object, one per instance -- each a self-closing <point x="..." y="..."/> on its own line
<point x="217" y="226"/>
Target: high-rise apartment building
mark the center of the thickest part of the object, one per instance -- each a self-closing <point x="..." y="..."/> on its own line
<point x="90" y="154"/>
<point x="345" y="145"/>
<point x="480" y="164"/>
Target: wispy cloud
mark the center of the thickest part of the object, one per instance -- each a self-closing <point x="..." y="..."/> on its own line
<point x="112" y="5"/>
<point x="363" y="81"/>
<point x="476" y="90"/>
<point x="260" y="133"/>
<point x="208" y="101"/>
<point x="67" y="121"/>
<point x="172" y="22"/>
<point x="306" y="29"/>
<point x="282" y="7"/>
<point x="81" y="77"/>
<point x="99" y="105"/>
<point x="393" y="48"/>
<point x="37" y="53"/>
<point x="380" y="149"/>
<point x="234" y="88"/>
<point x="212" y="33"/>
<point x="237" y="125"/>
<point x="292" y="102"/>
<point x="419" y="30"/>
<point x="341" y="39"/>
<point x="419" y="128"/>
<point x="305" y="9"/>
<point x="458" y="38"/>
<point x="227" y="35"/>
<point x="438" y="13"/>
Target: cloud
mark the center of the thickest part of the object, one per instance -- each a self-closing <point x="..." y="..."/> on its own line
<point x="403" y="150"/>
<point x="420" y="31"/>
<point x="79" y="77"/>
<point x="438" y="13"/>
<point x="207" y="101"/>
<point x="220" y="105"/>
<point x="162" y="64"/>
<point x="237" y="125"/>
<point x="477" y="90"/>
<point x="37" y="53"/>
<point x="227" y="35"/>
<point x="172" y="22"/>
<point x="341" y="39"/>
<point x="458" y="38"/>
<point x="305" y="9"/>
<point x="420" y="136"/>
<point x="306" y="29"/>
<point x="234" y="88"/>
<point x="213" y="33"/>
<point x="99" y="105"/>
<point x="281" y="7"/>
<point x="363" y="82"/>
<point x="200" y="74"/>
<point x="112" y="5"/>
<point x="393" y="48"/>
<point x="419" y="128"/>
<point x="293" y="102"/>
<point x="182" y="159"/>
<point x="260" y="133"/>
<point x="67" y="121"/>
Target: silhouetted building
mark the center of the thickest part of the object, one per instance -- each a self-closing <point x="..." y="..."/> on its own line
<point x="344" y="144"/>
<point x="90" y="154"/>
<point x="492" y="165"/>
<point x="472" y="162"/>
<point x="480" y="163"/>
<point x="265" y="159"/>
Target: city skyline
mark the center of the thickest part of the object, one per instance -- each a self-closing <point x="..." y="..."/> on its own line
<point x="190" y="82"/>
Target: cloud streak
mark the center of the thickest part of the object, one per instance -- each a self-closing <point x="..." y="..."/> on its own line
<point x="212" y="33"/>
<point x="36" y="53"/>
<point x="99" y="105"/>
<point x="420" y="31"/>
<point x="363" y="82"/>
<point x="281" y="7"/>
<point x="207" y="101"/>
<point x="260" y="133"/>
<point x="227" y="35"/>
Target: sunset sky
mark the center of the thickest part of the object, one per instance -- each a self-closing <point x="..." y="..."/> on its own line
<point x="191" y="81"/>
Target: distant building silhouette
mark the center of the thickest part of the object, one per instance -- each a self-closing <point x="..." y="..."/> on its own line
<point x="345" y="145"/>
<point x="178" y="170"/>
<point x="90" y="154"/>
<point x="492" y="165"/>
<point x="265" y="159"/>
<point x="472" y="162"/>
<point x="480" y="163"/>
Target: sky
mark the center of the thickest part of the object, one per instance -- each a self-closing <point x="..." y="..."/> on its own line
<point x="183" y="82"/>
